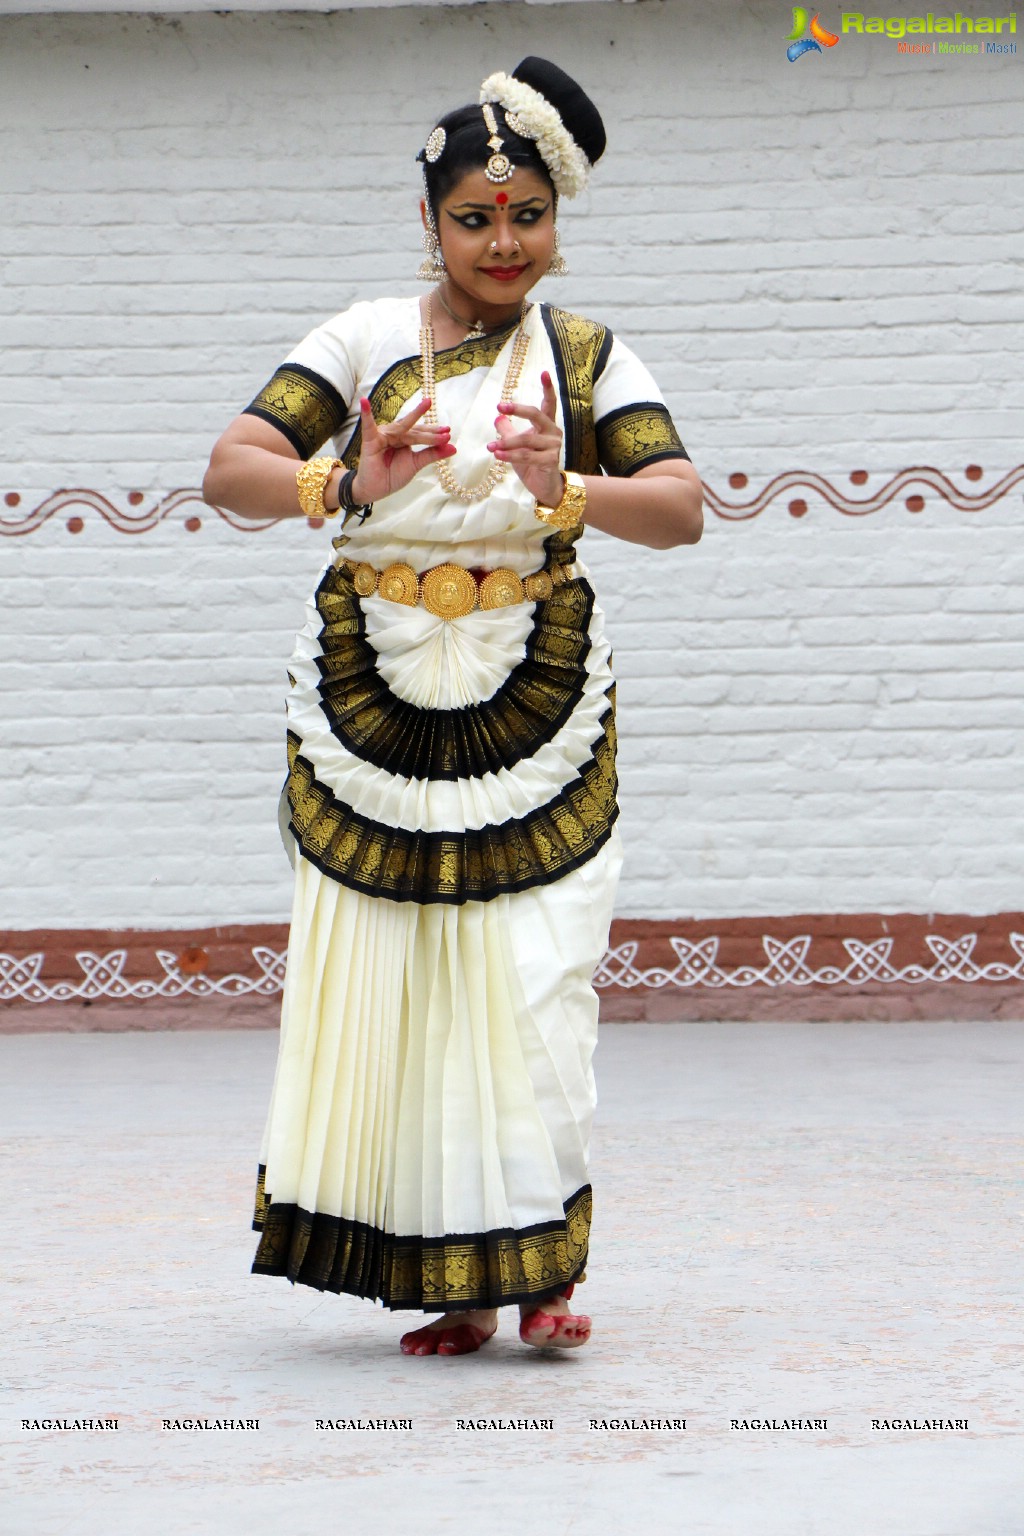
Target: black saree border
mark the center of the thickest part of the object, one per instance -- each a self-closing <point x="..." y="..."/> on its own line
<point x="580" y="347"/>
<point x="455" y="867"/>
<point x="523" y="715"/>
<point x="424" y="1274"/>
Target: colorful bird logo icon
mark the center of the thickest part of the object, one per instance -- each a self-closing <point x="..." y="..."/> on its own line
<point x="819" y="38"/>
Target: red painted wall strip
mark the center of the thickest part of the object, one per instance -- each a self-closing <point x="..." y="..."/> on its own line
<point x="827" y="966"/>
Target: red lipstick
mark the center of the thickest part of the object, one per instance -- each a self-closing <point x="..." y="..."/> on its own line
<point x="504" y="274"/>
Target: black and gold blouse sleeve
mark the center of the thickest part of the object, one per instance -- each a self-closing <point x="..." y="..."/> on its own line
<point x="302" y="404"/>
<point x="634" y="436"/>
<point x="309" y="396"/>
<point x="632" y="424"/>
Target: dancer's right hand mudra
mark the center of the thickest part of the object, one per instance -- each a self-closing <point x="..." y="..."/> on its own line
<point x="393" y="451"/>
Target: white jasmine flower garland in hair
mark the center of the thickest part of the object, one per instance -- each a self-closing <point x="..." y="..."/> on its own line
<point x="535" y="118"/>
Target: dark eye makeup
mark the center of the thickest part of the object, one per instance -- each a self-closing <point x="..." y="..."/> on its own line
<point x="479" y="219"/>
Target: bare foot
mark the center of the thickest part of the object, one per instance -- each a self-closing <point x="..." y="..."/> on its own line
<point x="550" y="1324"/>
<point x="454" y="1333"/>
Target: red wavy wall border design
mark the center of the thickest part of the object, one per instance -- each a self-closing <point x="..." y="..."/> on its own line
<point x="912" y="484"/>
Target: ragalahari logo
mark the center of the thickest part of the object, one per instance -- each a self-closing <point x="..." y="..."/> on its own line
<point x="819" y="38"/>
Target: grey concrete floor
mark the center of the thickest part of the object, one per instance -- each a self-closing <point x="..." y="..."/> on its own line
<point x="792" y="1221"/>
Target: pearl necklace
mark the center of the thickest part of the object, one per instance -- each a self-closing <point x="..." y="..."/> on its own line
<point x="498" y="470"/>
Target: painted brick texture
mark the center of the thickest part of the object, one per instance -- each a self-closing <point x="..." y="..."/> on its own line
<point x="820" y="263"/>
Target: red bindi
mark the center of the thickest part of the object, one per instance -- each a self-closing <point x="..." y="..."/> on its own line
<point x="501" y="199"/>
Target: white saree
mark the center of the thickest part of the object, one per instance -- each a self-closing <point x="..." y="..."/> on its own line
<point x="451" y="798"/>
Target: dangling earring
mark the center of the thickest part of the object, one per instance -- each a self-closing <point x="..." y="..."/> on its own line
<point x="432" y="268"/>
<point x="558" y="266"/>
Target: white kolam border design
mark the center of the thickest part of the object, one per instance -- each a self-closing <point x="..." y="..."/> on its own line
<point x="870" y="961"/>
<point x="696" y="966"/>
<point x="103" y="976"/>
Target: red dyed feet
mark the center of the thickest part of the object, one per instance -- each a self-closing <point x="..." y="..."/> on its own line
<point x="465" y="1339"/>
<point x="555" y="1330"/>
<point x="462" y="1339"/>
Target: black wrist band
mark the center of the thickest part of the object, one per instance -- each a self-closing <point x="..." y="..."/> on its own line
<point x="345" y="501"/>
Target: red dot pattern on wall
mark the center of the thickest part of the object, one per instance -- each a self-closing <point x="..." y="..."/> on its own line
<point x="915" y="486"/>
<point x="193" y="961"/>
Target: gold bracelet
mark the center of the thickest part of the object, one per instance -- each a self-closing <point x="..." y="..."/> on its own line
<point x="570" y="509"/>
<point x="311" y="480"/>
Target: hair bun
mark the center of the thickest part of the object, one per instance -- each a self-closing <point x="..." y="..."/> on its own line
<point x="570" y="100"/>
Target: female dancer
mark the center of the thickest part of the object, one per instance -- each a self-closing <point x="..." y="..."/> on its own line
<point x="451" y="744"/>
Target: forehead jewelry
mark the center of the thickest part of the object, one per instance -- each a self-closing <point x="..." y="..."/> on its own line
<point x="434" y="147"/>
<point x="499" y="167"/>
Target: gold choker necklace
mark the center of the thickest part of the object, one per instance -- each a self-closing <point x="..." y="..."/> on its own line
<point x="475" y="328"/>
<point x="499" y="469"/>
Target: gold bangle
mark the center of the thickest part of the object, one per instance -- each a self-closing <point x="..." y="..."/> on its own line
<point x="311" y="480"/>
<point x="570" y="509"/>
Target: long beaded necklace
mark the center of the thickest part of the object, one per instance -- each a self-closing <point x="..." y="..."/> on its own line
<point x="497" y="472"/>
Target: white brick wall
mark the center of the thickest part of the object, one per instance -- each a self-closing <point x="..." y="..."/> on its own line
<point x="820" y="263"/>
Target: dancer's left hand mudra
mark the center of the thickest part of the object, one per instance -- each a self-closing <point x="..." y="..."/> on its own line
<point x="534" y="452"/>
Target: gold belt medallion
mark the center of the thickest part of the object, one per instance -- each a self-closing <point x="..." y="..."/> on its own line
<point x="399" y="584"/>
<point x="500" y="589"/>
<point x="448" y="591"/>
<point x="538" y="586"/>
<point x="364" y="579"/>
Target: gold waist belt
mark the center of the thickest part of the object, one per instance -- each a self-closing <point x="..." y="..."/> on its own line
<point x="451" y="591"/>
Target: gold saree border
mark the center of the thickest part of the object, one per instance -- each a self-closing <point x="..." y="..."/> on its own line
<point x="531" y="706"/>
<point x="581" y="349"/>
<point x="397" y="384"/>
<point x="426" y="1274"/>
<point x="451" y="866"/>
